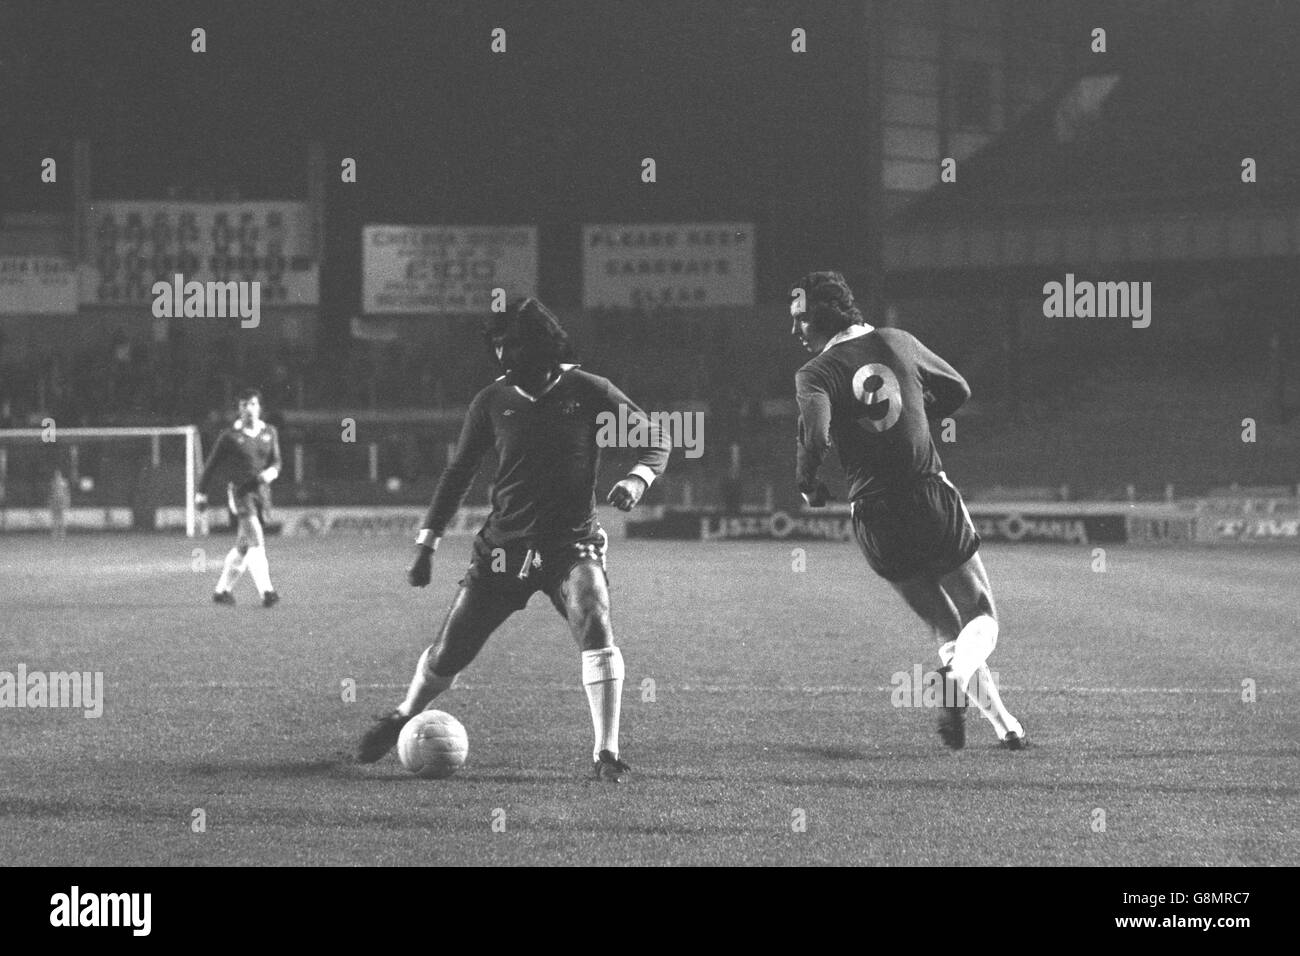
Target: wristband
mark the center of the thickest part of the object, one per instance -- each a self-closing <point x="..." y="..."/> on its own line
<point x="644" y="473"/>
<point x="425" y="538"/>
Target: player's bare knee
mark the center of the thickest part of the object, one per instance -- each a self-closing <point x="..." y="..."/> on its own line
<point x="925" y="596"/>
<point x="978" y="601"/>
<point x="589" y="618"/>
<point x="596" y="639"/>
<point x="969" y="590"/>
<point x="984" y="605"/>
<point x="586" y="602"/>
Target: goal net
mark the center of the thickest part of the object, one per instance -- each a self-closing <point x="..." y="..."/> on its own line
<point x="99" y="479"/>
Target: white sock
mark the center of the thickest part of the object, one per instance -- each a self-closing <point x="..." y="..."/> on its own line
<point x="232" y="571"/>
<point x="425" y="686"/>
<point x="973" y="646"/>
<point x="259" y="569"/>
<point x="602" y="676"/>
<point x="984" y="692"/>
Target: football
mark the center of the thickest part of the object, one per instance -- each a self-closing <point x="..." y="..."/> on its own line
<point x="433" y="745"/>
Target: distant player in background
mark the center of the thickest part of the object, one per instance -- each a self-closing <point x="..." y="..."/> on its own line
<point x="60" y="502"/>
<point x="542" y="533"/>
<point x="872" y="393"/>
<point x="247" y="457"/>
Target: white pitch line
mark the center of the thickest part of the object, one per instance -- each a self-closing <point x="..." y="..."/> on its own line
<point x="148" y="568"/>
<point x="844" y="689"/>
<point x="731" y="688"/>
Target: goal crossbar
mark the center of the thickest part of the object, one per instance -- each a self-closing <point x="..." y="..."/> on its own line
<point x="189" y="432"/>
<point x="125" y="432"/>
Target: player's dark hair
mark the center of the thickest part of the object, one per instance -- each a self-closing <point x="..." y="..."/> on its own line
<point x="831" y="309"/>
<point x="544" y="341"/>
<point x="247" y="393"/>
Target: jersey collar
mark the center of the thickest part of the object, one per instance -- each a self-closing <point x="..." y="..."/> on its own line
<point x="852" y="332"/>
<point x="555" y="381"/>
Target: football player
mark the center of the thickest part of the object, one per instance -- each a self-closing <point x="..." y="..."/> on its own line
<point x="542" y="533"/>
<point x="247" y="457"/>
<point x="871" y="393"/>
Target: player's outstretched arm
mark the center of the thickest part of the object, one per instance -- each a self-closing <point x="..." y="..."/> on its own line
<point x="475" y="439"/>
<point x="420" y="572"/>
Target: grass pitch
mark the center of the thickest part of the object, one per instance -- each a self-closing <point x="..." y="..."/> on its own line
<point x="757" y="713"/>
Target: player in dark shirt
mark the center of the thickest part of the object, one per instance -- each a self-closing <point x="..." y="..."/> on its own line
<point x="247" y="458"/>
<point x="871" y="393"/>
<point x="542" y="533"/>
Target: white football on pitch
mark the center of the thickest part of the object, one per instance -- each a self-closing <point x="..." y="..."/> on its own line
<point x="433" y="745"/>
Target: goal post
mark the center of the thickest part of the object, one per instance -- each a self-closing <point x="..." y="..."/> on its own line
<point x="118" y="478"/>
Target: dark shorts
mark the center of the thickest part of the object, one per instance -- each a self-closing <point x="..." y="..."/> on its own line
<point x="251" y="499"/>
<point x="512" y="573"/>
<point x="921" y="530"/>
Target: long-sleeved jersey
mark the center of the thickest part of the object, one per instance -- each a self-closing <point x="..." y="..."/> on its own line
<point x="866" y="394"/>
<point x="241" y="458"/>
<point x="545" y="486"/>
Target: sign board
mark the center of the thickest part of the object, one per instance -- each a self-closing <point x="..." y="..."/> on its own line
<point x="133" y="244"/>
<point x="445" y="270"/>
<point x="41" y="285"/>
<point x="676" y="265"/>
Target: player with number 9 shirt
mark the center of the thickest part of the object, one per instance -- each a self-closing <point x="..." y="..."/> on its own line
<point x="872" y="393"/>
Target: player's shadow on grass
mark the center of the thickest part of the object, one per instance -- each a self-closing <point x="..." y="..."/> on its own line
<point x="519" y="778"/>
<point x="133" y="607"/>
<point x="271" y="769"/>
<point x="1036" y="786"/>
<point x="1175" y="754"/>
<point x="847" y="753"/>
<point x="827" y="753"/>
<point x="390" y="770"/>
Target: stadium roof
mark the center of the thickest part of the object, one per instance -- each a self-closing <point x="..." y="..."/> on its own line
<point x="1162" y="123"/>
